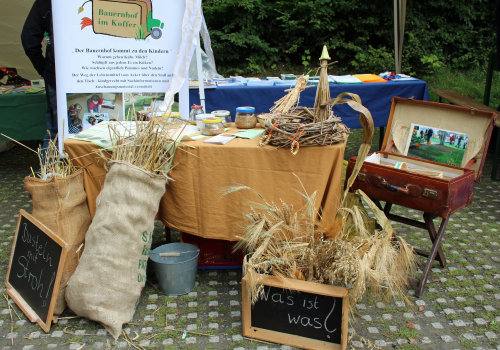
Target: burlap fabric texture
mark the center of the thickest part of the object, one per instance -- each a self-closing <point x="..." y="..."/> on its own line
<point x="61" y="204"/>
<point x="112" y="271"/>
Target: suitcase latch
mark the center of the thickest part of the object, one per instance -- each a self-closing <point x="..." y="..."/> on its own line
<point x="361" y="176"/>
<point x="430" y="193"/>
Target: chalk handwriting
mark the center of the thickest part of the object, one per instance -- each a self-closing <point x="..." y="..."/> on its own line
<point x="39" y="249"/>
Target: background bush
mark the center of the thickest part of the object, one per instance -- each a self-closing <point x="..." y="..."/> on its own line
<point x="261" y="37"/>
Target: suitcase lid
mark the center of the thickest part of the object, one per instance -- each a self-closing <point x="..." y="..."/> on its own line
<point x="453" y="127"/>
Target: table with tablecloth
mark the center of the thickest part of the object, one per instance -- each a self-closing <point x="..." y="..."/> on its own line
<point x="22" y="116"/>
<point x="194" y="202"/>
<point x="375" y="96"/>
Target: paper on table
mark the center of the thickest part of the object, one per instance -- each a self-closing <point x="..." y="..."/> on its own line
<point x="249" y="134"/>
<point x="345" y="79"/>
<point x="403" y="77"/>
<point x="101" y="135"/>
<point x="221" y="139"/>
<point x="370" y="78"/>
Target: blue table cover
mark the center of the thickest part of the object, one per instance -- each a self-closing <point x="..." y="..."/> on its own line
<point x="374" y="96"/>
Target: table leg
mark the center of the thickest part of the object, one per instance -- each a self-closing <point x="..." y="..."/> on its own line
<point x="381" y="135"/>
<point x="435" y="247"/>
<point x="496" y="155"/>
<point x="168" y="237"/>
<point x="428" y="218"/>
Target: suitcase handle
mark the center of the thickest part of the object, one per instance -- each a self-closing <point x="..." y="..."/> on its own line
<point x="409" y="190"/>
<point x="393" y="188"/>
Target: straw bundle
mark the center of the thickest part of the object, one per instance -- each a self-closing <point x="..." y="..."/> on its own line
<point x="53" y="163"/>
<point x="151" y="146"/>
<point x="321" y="111"/>
<point x="291" y="100"/>
<point x="287" y="243"/>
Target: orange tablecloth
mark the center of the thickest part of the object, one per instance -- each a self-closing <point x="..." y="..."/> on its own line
<point x="193" y="202"/>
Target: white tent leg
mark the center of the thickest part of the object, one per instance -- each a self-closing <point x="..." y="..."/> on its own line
<point x="184" y="100"/>
<point x="199" y="69"/>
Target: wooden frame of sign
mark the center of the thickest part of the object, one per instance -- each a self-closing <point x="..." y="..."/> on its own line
<point x="297" y="313"/>
<point x="35" y="269"/>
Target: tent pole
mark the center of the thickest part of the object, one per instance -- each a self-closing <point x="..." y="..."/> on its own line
<point x="199" y="69"/>
<point x="402" y="22"/>
<point x="396" y="36"/>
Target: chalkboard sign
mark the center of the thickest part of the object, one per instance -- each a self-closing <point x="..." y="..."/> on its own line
<point x="35" y="269"/>
<point x="297" y="313"/>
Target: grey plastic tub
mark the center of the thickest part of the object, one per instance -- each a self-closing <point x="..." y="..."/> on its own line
<point x="176" y="273"/>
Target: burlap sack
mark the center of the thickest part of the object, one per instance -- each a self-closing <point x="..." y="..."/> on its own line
<point x="112" y="271"/>
<point x="61" y="205"/>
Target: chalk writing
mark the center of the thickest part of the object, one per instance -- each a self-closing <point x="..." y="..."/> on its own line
<point x="39" y="249"/>
<point x="300" y="313"/>
<point x="35" y="266"/>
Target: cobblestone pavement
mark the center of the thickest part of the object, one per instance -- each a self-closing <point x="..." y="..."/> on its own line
<point x="459" y="310"/>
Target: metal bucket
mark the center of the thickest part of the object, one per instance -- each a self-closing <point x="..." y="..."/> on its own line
<point x="175" y="267"/>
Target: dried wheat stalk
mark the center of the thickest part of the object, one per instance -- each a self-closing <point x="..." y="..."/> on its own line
<point x="53" y="163"/>
<point x="291" y="100"/>
<point x="151" y="146"/>
<point x="287" y="243"/>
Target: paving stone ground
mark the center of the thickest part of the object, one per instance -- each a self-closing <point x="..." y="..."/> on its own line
<point x="459" y="310"/>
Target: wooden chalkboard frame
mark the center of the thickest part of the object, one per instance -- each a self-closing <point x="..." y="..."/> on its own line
<point x="292" y="339"/>
<point x="23" y="304"/>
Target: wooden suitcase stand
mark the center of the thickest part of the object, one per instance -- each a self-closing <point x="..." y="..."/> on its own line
<point x="436" y="189"/>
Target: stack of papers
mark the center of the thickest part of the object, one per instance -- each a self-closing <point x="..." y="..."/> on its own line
<point x="220" y="139"/>
<point x="249" y="134"/>
<point x="344" y="79"/>
<point x="370" y="78"/>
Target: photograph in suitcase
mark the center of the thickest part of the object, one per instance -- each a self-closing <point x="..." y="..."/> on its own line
<point x="438" y="145"/>
<point x="421" y="184"/>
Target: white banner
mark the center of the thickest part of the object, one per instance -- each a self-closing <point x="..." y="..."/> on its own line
<point x="113" y="57"/>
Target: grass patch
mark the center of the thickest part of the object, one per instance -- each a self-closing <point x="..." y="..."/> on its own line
<point x="457" y="272"/>
<point x="389" y="309"/>
<point x="458" y="283"/>
<point x="407" y="333"/>
<point x="494" y="326"/>
<point x="409" y="347"/>
<point x="468" y="344"/>
<point x="233" y="331"/>
<point x="452" y="316"/>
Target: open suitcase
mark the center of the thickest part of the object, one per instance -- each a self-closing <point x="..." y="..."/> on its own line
<point x="459" y="136"/>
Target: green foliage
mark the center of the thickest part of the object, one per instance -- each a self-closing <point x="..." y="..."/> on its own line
<point x="306" y="59"/>
<point x="372" y="60"/>
<point x="253" y="36"/>
<point x="432" y="61"/>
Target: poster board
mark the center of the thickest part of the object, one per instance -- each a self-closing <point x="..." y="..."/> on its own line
<point x="297" y="313"/>
<point x="121" y="49"/>
<point x="35" y="269"/>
